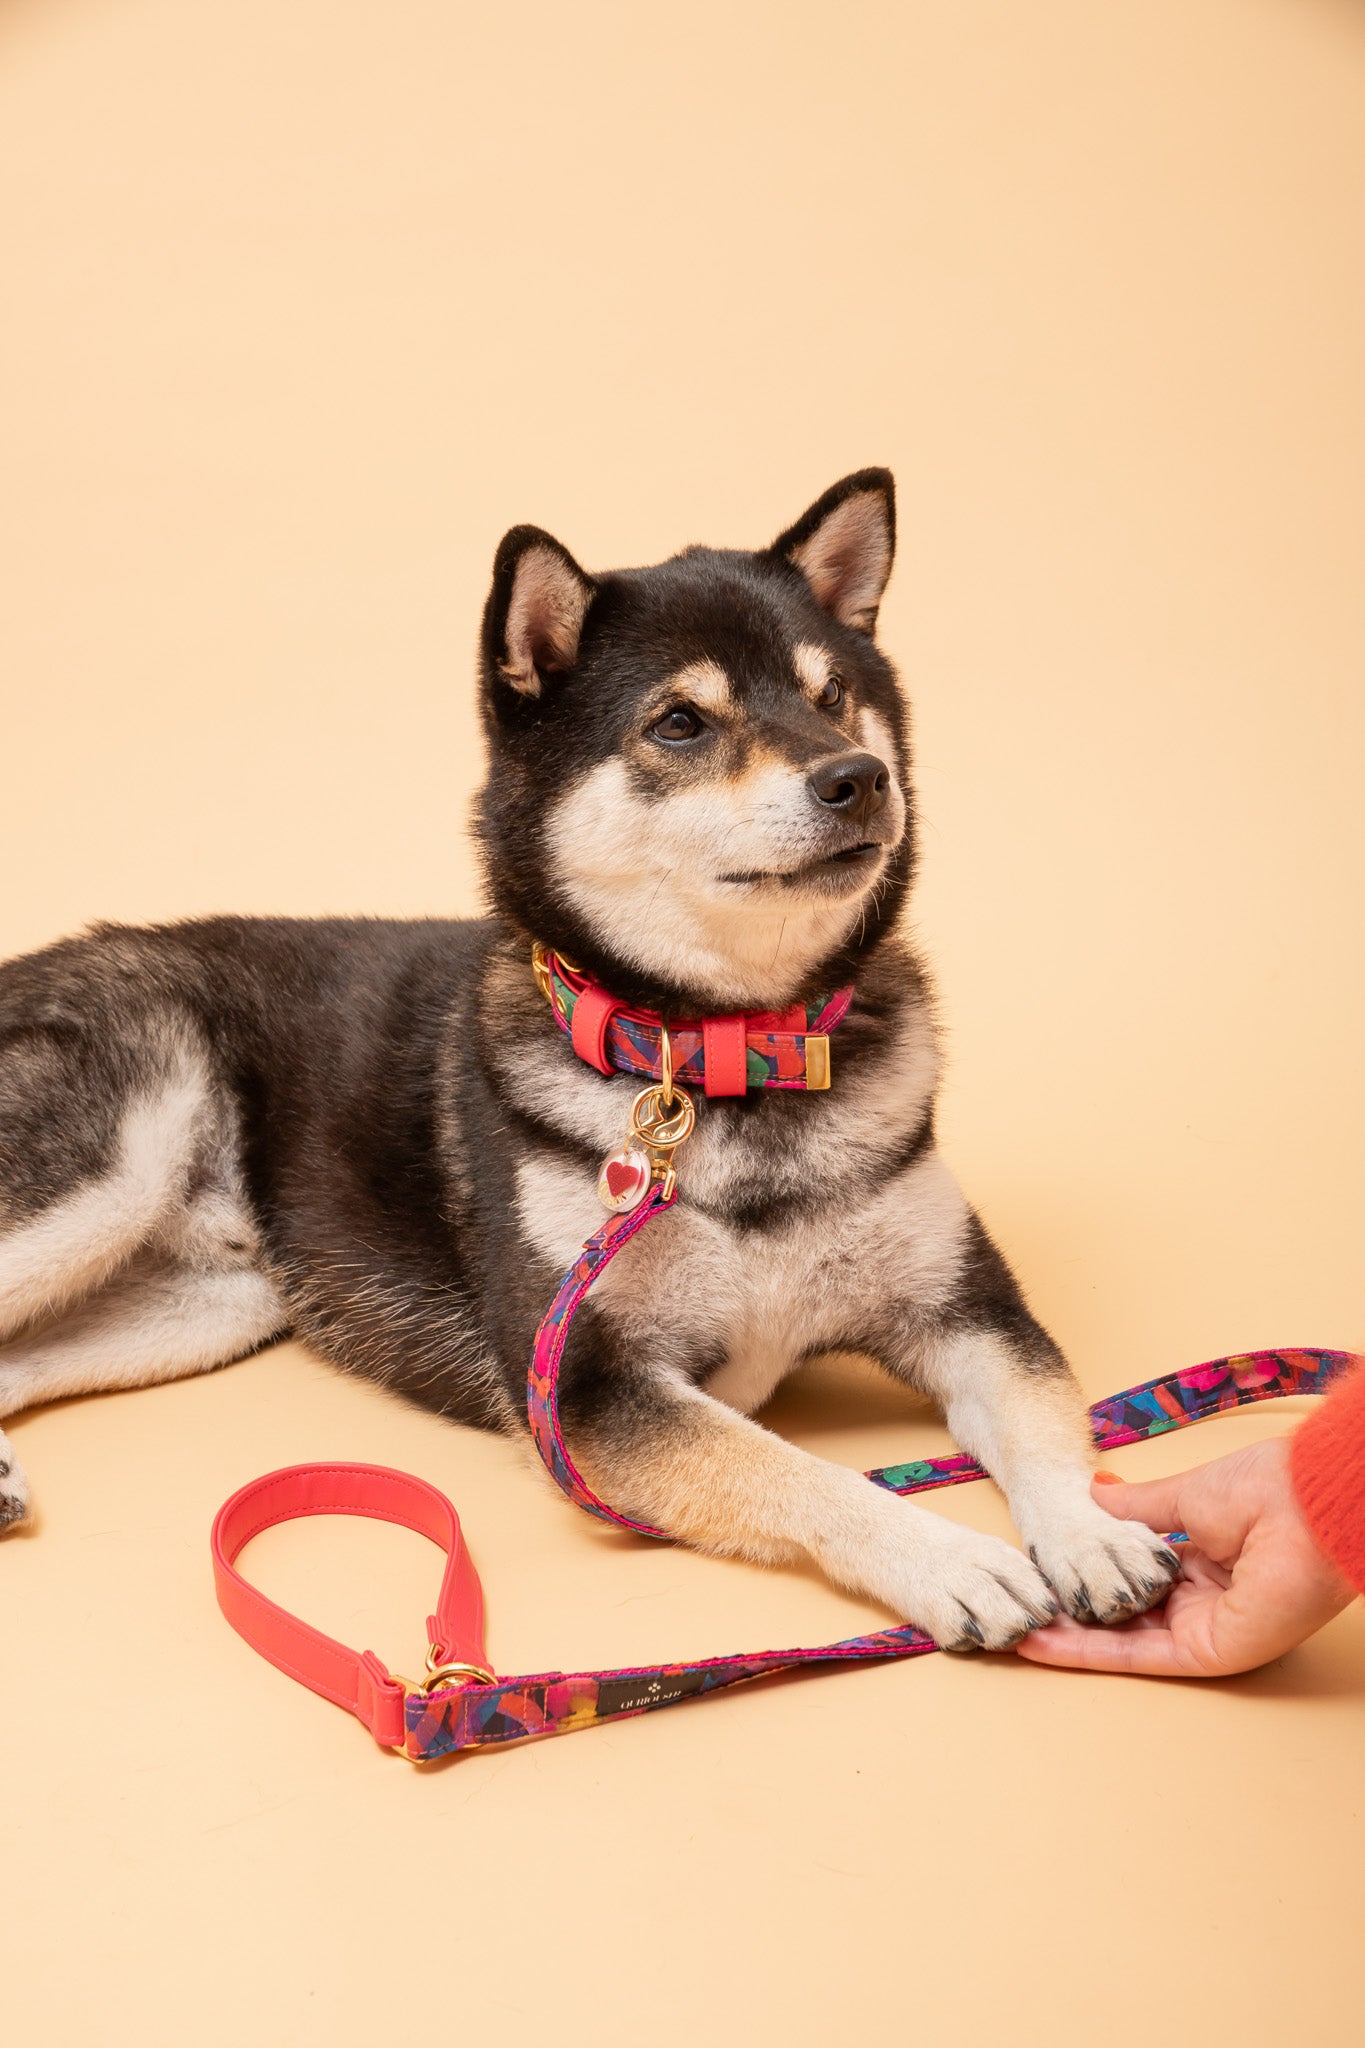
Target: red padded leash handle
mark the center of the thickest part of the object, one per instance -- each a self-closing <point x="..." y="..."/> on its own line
<point x="353" y="1680"/>
<point x="462" y="1705"/>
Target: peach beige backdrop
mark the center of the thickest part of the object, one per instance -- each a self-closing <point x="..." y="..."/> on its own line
<point x="304" y="304"/>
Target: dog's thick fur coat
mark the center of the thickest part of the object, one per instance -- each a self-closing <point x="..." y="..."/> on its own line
<point x="371" y="1133"/>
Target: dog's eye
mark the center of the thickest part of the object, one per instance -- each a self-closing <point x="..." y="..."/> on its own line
<point x="677" y="724"/>
<point x="833" y="693"/>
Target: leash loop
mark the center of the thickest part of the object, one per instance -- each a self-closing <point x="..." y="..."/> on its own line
<point x="461" y="1704"/>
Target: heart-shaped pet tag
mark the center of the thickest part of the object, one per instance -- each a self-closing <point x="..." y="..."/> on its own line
<point x="624" y="1180"/>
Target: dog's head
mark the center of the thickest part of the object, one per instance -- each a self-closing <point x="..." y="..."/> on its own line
<point x="697" y="783"/>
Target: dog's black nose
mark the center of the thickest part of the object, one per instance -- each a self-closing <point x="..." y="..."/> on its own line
<point x="856" y="783"/>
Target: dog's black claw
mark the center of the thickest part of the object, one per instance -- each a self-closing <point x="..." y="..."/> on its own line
<point x="1054" y="1604"/>
<point x="1033" y="1560"/>
<point x="1146" y="1592"/>
<point x="1035" y="1621"/>
<point x="971" y="1638"/>
<point x="1135" y="1586"/>
<point x="1080" y="1601"/>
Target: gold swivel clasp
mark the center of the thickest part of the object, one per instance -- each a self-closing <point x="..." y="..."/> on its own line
<point x="663" y="1115"/>
<point x="442" y="1672"/>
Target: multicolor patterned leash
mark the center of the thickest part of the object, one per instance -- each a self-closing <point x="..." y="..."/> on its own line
<point x="556" y="1702"/>
<point x="462" y="1704"/>
<point x="1171" y="1402"/>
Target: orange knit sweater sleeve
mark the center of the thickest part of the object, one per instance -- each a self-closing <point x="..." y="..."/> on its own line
<point x="1327" y="1459"/>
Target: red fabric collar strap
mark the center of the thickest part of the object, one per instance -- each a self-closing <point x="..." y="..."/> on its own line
<point x="723" y="1055"/>
<point x="355" y="1680"/>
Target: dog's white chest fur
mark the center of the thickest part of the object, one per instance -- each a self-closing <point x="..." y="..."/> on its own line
<point x="747" y="1305"/>
<point x="701" y="1293"/>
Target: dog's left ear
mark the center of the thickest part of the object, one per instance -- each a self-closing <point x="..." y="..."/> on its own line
<point x="845" y="544"/>
<point x="533" y="619"/>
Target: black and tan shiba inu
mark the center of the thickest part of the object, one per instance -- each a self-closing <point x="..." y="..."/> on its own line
<point x="372" y="1133"/>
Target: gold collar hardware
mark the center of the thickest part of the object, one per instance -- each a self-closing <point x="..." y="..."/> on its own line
<point x="817" y="1060"/>
<point x="666" y="1062"/>
<point x="540" y="967"/>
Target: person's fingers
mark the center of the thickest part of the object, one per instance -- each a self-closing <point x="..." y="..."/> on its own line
<point x="1251" y="1586"/>
<point x="1153" y="1501"/>
<point x="1140" y="1651"/>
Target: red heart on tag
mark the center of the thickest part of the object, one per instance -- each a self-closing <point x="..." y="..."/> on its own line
<point x="622" y="1176"/>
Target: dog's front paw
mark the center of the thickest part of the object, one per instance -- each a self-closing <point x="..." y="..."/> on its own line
<point x="968" y="1591"/>
<point x="13" y="1488"/>
<point x="1103" y="1569"/>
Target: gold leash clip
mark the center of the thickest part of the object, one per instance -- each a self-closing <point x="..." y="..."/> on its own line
<point x="441" y="1672"/>
<point x="453" y="1671"/>
<point x="662" y="1117"/>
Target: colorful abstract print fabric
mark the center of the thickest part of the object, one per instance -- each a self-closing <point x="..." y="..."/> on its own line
<point x="556" y="1702"/>
<point x="1158" y="1405"/>
<point x="774" y="1058"/>
<point x="542" y="1380"/>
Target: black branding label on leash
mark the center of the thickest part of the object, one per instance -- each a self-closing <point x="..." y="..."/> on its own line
<point x="634" y="1695"/>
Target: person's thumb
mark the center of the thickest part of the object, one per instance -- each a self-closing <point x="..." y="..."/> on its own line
<point x="1153" y="1501"/>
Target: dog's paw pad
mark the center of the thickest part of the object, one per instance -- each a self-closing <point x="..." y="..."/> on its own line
<point x="1104" y="1570"/>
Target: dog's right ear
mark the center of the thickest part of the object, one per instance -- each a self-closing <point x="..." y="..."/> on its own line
<point x="844" y="545"/>
<point x="535" y="610"/>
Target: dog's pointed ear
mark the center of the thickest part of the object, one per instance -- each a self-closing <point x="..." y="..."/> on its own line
<point x="534" y="616"/>
<point x="845" y="544"/>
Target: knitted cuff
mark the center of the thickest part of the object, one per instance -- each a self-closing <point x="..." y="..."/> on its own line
<point x="1327" y="1460"/>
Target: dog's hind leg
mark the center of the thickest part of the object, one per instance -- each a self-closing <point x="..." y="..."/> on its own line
<point x="61" y="1236"/>
<point x="156" y="1321"/>
<point x="126" y="1253"/>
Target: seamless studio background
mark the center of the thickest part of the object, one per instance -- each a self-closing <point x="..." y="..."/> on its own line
<point x="304" y="305"/>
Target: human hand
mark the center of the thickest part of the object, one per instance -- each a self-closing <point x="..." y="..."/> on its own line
<point x="1253" y="1583"/>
